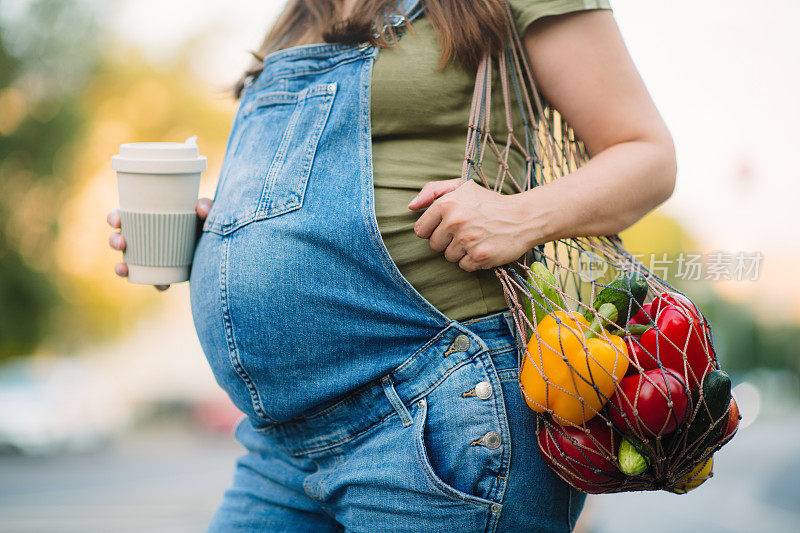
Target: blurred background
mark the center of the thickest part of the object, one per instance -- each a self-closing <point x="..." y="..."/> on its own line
<point x="109" y="415"/>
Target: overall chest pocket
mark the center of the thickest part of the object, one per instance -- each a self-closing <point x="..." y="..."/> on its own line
<point x="269" y="156"/>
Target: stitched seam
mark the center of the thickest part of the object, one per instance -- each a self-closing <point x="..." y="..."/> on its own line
<point x="313" y="138"/>
<point x="322" y="447"/>
<point x="502" y="417"/>
<point x="357" y="391"/>
<point x="419" y="352"/>
<point x="503" y="349"/>
<point x="285" y="97"/>
<point x="411" y="401"/>
<point x="349" y="397"/>
<point x="305" y="71"/>
<point x="331" y="49"/>
<point x="233" y="351"/>
<point x="280" y="157"/>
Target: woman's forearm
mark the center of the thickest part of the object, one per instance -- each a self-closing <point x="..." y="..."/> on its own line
<point x="613" y="190"/>
<point x="583" y="69"/>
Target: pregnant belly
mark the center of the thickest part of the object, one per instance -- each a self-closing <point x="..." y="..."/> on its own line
<point x="289" y="318"/>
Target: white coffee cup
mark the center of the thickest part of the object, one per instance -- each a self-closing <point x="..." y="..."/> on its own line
<point x="158" y="187"/>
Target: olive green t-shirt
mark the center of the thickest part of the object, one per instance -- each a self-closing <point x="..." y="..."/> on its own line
<point x="419" y="127"/>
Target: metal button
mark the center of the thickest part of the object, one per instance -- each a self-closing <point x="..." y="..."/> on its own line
<point x="460" y="343"/>
<point x="492" y="440"/>
<point x="483" y="390"/>
<point x="496" y="507"/>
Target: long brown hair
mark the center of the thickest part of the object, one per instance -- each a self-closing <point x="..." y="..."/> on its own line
<point x="466" y="29"/>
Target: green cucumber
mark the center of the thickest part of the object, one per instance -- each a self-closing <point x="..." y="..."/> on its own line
<point x="627" y="288"/>
<point x="632" y="457"/>
<point x="717" y="398"/>
<point x="543" y="287"/>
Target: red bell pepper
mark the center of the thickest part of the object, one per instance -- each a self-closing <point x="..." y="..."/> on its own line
<point x="680" y="330"/>
<point x="653" y="403"/>
<point x="643" y="316"/>
<point x="638" y="356"/>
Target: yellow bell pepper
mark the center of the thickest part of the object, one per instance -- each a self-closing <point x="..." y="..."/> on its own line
<point x="564" y="362"/>
<point x="695" y="478"/>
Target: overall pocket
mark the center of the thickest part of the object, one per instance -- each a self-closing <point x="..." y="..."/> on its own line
<point x="461" y="439"/>
<point x="269" y="156"/>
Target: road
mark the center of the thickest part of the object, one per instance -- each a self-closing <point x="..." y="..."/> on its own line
<point x="168" y="477"/>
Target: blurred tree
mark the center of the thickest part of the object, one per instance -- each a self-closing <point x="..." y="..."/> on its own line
<point x="69" y="95"/>
<point x="45" y="59"/>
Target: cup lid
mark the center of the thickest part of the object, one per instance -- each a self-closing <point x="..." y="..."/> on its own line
<point x="159" y="157"/>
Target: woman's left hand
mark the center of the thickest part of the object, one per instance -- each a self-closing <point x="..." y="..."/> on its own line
<point x="473" y="226"/>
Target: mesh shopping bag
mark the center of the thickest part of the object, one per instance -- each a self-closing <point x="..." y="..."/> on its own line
<point x="619" y="365"/>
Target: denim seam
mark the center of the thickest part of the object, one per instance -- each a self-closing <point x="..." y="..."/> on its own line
<point x="323" y="447"/>
<point x="313" y="141"/>
<point x="286" y="97"/>
<point x="505" y="430"/>
<point x="411" y="401"/>
<point x="501" y="350"/>
<point x="303" y="51"/>
<point x="336" y="405"/>
<point x="367" y="385"/>
<point x="233" y="350"/>
<point x="304" y="71"/>
<point x="420" y="351"/>
<point x="279" y="159"/>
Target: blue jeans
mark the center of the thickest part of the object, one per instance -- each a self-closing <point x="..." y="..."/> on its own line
<point x="444" y="441"/>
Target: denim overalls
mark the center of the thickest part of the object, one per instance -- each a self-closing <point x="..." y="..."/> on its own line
<point x="367" y="408"/>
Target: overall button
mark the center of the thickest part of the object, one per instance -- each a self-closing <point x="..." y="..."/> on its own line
<point x="460" y="344"/>
<point x="492" y="440"/>
<point x="483" y="390"/>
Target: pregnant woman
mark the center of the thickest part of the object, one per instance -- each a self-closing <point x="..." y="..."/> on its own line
<point x="342" y="288"/>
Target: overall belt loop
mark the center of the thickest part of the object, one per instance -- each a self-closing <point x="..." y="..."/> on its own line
<point x="388" y="389"/>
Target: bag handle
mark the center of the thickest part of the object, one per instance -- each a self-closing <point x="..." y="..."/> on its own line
<point x="549" y="154"/>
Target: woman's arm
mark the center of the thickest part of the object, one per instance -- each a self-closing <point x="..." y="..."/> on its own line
<point x="583" y="69"/>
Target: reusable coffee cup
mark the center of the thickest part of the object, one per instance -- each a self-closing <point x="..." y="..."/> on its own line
<point x="158" y="187"/>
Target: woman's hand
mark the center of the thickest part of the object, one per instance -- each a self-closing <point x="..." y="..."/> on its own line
<point x="117" y="241"/>
<point x="473" y="226"/>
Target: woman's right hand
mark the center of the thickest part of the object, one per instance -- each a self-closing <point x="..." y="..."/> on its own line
<point x="117" y="241"/>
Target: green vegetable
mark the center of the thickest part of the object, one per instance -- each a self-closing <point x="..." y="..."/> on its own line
<point x="606" y="313"/>
<point x="632" y="457"/>
<point x="545" y="281"/>
<point x="627" y="288"/>
<point x="717" y="396"/>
